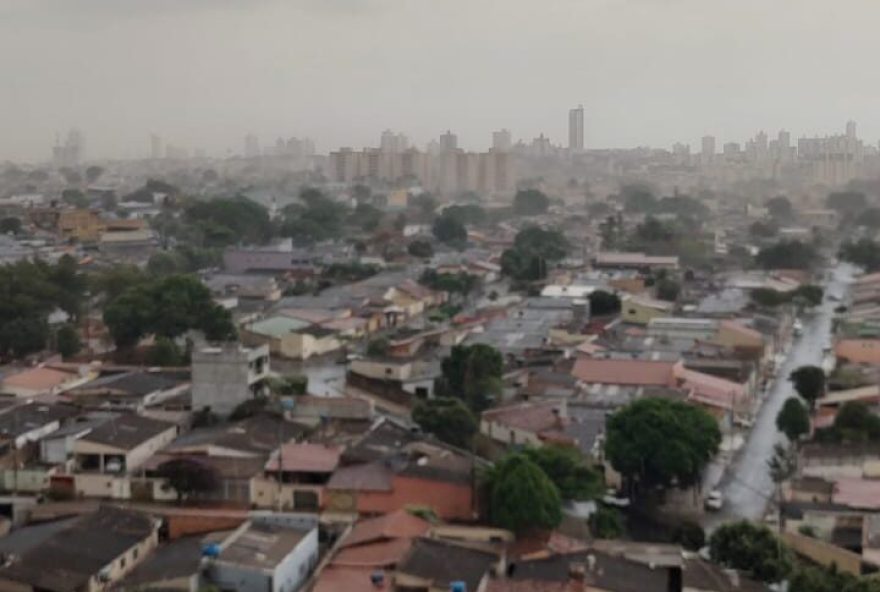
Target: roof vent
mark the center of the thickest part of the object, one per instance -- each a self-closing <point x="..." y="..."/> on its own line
<point x="377" y="578"/>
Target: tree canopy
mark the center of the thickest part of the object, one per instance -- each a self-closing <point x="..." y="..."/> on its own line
<point x="530" y="202"/>
<point x="317" y="218"/>
<point x="847" y="202"/>
<point x="863" y="252"/>
<point x="471" y="373"/>
<point x="188" y="477"/>
<point x="603" y="303"/>
<point x="29" y="292"/>
<point x="751" y="548"/>
<point x="532" y="249"/>
<point x="661" y="442"/>
<point x="780" y="208"/>
<point x="226" y="221"/>
<point x="565" y="467"/>
<point x="809" y="382"/>
<point x="166" y="307"/>
<point x="522" y="498"/>
<point x="787" y="254"/>
<point x="421" y="248"/>
<point x="793" y="419"/>
<point x="448" y="419"/>
<point x="449" y="230"/>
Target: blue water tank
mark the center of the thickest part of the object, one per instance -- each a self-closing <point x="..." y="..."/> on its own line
<point x="458" y="586"/>
<point x="211" y="550"/>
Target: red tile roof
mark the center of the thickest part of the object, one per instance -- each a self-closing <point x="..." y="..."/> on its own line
<point x="384" y="554"/>
<point x="529" y="417"/>
<point x="625" y="371"/>
<point x="365" y="477"/>
<point x="348" y="579"/>
<point x="306" y="458"/>
<point x="398" y="524"/>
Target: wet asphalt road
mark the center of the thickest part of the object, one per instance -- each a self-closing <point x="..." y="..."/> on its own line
<point x="746" y="484"/>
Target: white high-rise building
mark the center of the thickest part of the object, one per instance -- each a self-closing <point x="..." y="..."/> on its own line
<point x="501" y="140"/>
<point x="576" y="129"/>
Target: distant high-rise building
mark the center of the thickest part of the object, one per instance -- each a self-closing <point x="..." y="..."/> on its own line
<point x="392" y="142"/>
<point x="501" y="140"/>
<point x="72" y="152"/>
<point x="448" y="142"/>
<point x="155" y="147"/>
<point x="851" y="130"/>
<point x="576" y="129"/>
<point x="251" y="146"/>
<point x="707" y="151"/>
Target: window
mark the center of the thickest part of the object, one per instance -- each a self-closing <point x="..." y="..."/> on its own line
<point x="122" y="563"/>
<point x="134" y="554"/>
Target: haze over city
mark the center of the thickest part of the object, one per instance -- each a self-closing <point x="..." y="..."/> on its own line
<point x="204" y="73"/>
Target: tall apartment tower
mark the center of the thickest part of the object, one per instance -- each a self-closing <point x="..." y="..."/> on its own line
<point x="576" y="129"/>
<point x="707" y="150"/>
<point x="501" y="140"/>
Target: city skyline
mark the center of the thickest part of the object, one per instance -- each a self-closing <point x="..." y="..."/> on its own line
<point x="225" y="69"/>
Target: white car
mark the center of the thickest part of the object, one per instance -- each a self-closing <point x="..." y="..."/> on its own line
<point x="613" y="498"/>
<point x="714" y="501"/>
<point x="798" y="328"/>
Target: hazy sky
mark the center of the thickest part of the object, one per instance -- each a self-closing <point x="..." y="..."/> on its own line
<point x="202" y="73"/>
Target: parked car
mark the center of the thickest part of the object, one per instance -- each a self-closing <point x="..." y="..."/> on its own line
<point x="714" y="501"/>
<point x="616" y="499"/>
<point x="798" y="328"/>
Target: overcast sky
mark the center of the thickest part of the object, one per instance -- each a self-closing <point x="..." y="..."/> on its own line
<point x="203" y="73"/>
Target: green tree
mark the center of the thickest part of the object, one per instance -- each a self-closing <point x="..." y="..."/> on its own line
<point x="471" y="373"/>
<point x="75" y="198"/>
<point x="751" y="548"/>
<point x="689" y="535"/>
<point x="226" y="221"/>
<point x="787" y="255"/>
<point x="188" y="477"/>
<point x="291" y="385"/>
<point x="793" y="419"/>
<point x="522" y="498"/>
<point x="809" y="382"/>
<point x="129" y="316"/>
<point x="761" y="229"/>
<point x="864" y="252"/>
<point x="10" y="225"/>
<point x="67" y="341"/>
<point x="780" y="208"/>
<point x="549" y="244"/>
<point x="607" y="523"/>
<point x="530" y="202"/>
<point x="449" y="230"/>
<point x="421" y="248"/>
<point x="847" y="202"/>
<point x="448" y="419"/>
<point x="565" y="467"/>
<point x="93" y="173"/>
<point x="603" y="303"/>
<point x="165" y="263"/>
<point x="855" y="422"/>
<point x="378" y="347"/>
<point x="661" y="442"/>
<point x="668" y="289"/>
<point x="638" y="199"/>
<point x="783" y="464"/>
<point x="165" y="353"/>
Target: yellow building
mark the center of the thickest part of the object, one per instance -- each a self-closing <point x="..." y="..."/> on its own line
<point x="640" y="311"/>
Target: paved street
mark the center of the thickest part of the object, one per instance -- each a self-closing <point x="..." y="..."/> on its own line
<point x="746" y="484"/>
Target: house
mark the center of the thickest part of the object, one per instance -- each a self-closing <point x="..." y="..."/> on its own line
<point x="640" y="310"/>
<point x="130" y="390"/>
<point x="585" y="571"/>
<point x="858" y="351"/>
<point x="225" y="376"/>
<point x="268" y="553"/>
<point x="295" y="476"/>
<point x="278" y="258"/>
<point x="92" y="554"/>
<point x="613" y="260"/>
<point x="683" y="328"/>
<point x="107" y="453"/>
<point x="291" y="338"/>
<point x="391" y="467"/>
<point x="175" y="565"/>
<point x="373" y="545"/>
<point x="526" y="423"/>
<point x="432" y="565"/>
<point x="625" y="369"/>
<point x="43" y="380"/>
<point x="253" y="287"/>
